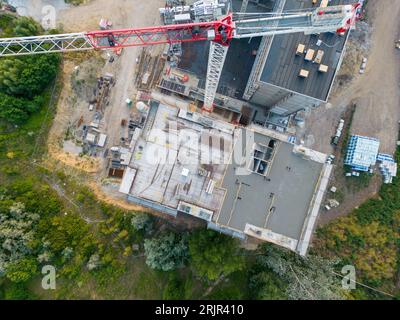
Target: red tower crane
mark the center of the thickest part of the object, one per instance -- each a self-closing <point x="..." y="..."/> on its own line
<point x="220" y="32"/>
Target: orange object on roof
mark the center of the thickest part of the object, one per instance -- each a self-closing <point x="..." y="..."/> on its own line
<point x="185" y="78"/>
<point x="118" y="51"/>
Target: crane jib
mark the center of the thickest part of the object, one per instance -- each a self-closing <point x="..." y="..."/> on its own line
<point x="221" y="31"/>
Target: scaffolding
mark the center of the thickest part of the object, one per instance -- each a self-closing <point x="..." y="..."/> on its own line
<point x="362" y="153"/>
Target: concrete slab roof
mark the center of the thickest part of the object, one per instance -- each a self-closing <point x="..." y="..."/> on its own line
<point x="239" y="61"/>
<point x="279" y="201"/>
<point x="283" y="66"/>
<point x="237" y="67"/>
<point x="167" y="167"/>
<point x="273" y="193"/>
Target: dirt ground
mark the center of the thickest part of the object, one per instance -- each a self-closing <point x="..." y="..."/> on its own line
<point x="376" y="94"/>
<point x="123" y="14"/>
<point x="73" y="102"/>
<point x="378" y="97"/>
<point x="66" y="115"/>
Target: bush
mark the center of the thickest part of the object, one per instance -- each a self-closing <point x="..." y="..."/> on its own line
<point x="67" y="231"/>
<point x="213" y="254"/>
<point x="21" y="270"/>
<point x="174" y="290"/>
<point x="24" y="79"/>
<point x="142" y="222"/>
<point x="167" y="252"/>
<point x="17" y="291"/>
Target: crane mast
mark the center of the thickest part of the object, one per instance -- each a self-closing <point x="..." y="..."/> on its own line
<point x="220" y="32"/>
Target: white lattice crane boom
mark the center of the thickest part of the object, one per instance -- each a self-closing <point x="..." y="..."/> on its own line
<point x="220" y="32"/>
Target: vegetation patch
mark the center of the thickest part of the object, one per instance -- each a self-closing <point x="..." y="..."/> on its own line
<point x="368" y="238"/>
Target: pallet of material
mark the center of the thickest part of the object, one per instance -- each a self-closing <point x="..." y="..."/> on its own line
<point x="309" y="55"/>
<point x="323" y="68"/>
<point x="304" y="73"/>
<point x="300" y="49"/>
<point x="319" y="56"/>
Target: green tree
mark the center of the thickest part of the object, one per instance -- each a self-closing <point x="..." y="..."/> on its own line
<point x="309" y="278"/>
<point x="213" y="254"/>
<point x="167" y="252"/>
<point x="21" y="270"/>
<point x="26" y="26"/>
<point x="266" y="285"/>
<point x="23" y="79"/>
<point x="17" y="291"/>
<point x="27" y="76"/>
<point x="17" y="110"/>
<point x="174" y="289"/>
<point x="17" y="231"/>
<point x="6" y="25"/>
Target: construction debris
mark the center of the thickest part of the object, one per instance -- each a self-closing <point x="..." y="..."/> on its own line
<point x="150" y="69"/>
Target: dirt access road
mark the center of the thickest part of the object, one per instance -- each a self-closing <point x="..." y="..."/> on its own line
<point x="123" y="14"/>
<point x="376" y="92"/>
<point x="72" y="105"/>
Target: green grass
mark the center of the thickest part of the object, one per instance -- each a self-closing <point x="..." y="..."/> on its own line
<point x="356" y="184"/>
<point x="138" y="281"/>
<point x="19" y="143"/>
<point x="234" y="287"/>
<point x="75" y="2"/>
<point x="6" y="29"/>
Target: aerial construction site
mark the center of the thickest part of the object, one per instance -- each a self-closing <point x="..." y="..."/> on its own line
<point x="209" y="109"/>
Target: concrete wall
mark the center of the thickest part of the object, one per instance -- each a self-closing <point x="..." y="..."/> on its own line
<point x="284" y="101"/>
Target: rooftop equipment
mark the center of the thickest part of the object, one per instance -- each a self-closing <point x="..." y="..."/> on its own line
<point x="319" y="56"/>
<point x="300" y="49"/>
<point x="309" y="55"/>
<point x="323" y="68"/>
<point x="304" y="73"/>
<point x="210" y="186"/>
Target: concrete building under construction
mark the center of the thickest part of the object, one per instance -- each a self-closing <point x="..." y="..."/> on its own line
<point x="275" y="80"/>
<point x="244" y="182"/>
<point x="267" y="79"/>
<point x="276" y="192"/>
